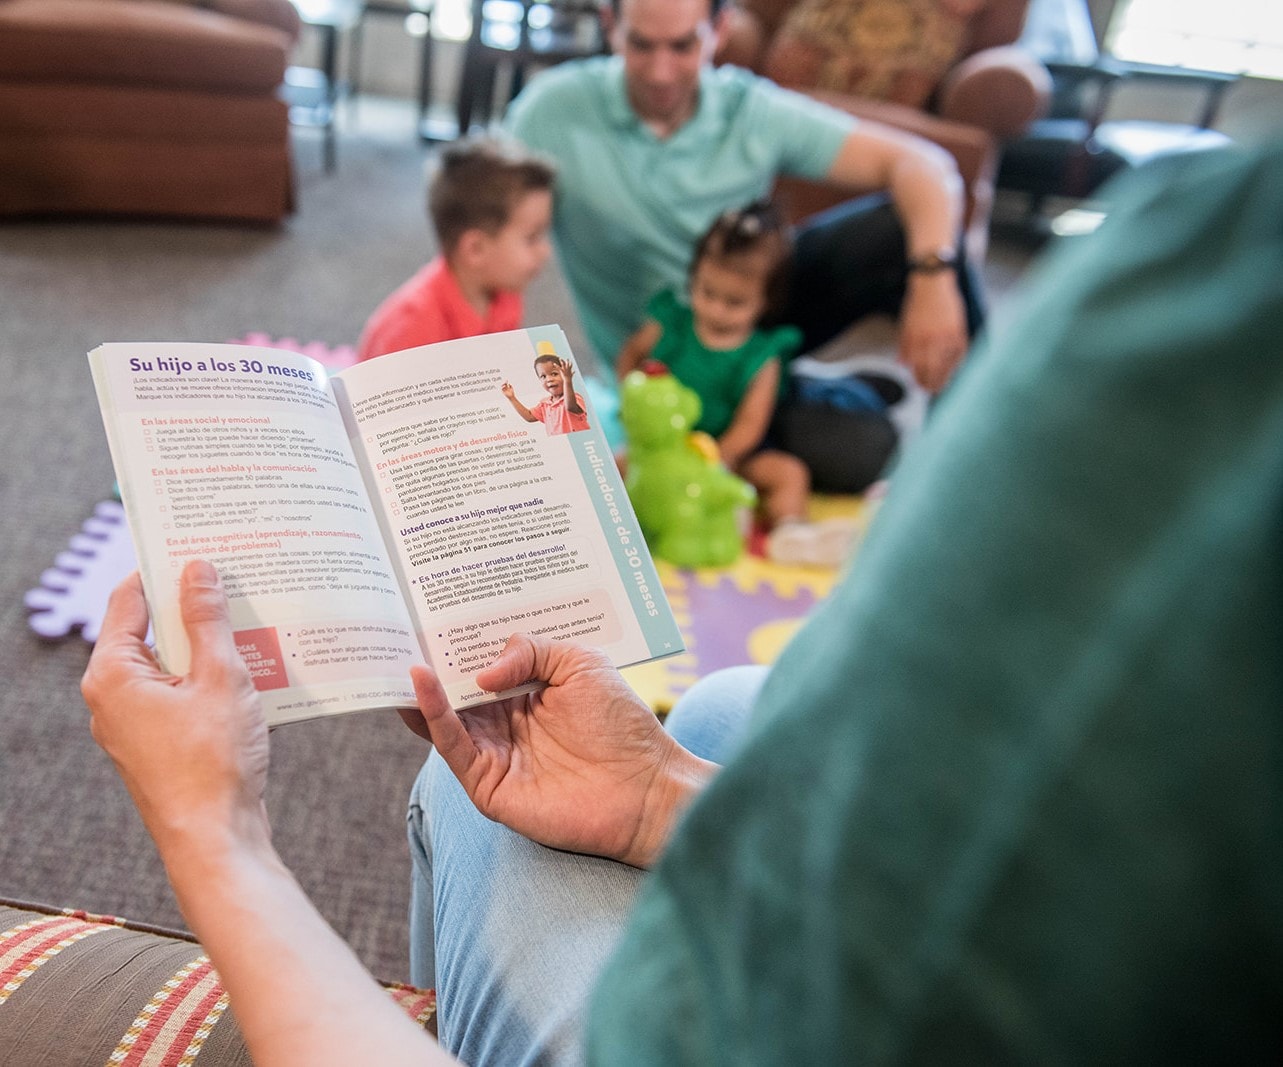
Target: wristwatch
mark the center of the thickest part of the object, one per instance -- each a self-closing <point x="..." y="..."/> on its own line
<point x="933" y="262"/>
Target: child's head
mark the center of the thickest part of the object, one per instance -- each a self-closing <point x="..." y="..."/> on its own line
<point x="550" y="371"/>
<point x="739" y="273"/>
<point x="491" y="206"/>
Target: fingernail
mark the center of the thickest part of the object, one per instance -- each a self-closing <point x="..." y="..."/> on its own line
<point x="201" y="572"/>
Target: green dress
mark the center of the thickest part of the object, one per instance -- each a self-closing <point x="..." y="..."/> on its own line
<point x="720" y="377"/>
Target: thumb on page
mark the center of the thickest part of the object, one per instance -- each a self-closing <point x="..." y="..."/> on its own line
<point x="203" y="604"/>
<point x="514" y="666"/>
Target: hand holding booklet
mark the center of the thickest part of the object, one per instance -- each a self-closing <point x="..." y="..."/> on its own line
<point x="400" y="511"/>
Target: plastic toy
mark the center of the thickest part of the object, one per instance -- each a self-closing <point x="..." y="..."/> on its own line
<point x="690" y="507"/>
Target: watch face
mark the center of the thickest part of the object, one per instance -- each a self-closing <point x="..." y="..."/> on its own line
<point x="933" y="262"/>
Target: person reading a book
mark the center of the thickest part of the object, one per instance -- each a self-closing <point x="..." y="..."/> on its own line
<point x="1010" y="795"/>
<point x="724" y="343"/>
<point x="653" y="143"/>
<point x="562" y="410"/>
<point x="490" y="202"/>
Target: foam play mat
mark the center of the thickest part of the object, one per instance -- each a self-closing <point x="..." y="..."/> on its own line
<point x="72" y="594"/>
<point x="744" y="613"/>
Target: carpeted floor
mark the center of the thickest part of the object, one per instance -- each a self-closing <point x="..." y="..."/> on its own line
<point x="68" y="834"/>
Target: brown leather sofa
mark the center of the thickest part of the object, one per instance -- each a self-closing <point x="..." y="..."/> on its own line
<point x="969" y="89"/>
<point x="157" y="108"/>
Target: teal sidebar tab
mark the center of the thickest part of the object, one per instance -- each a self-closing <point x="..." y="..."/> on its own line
<point x="627" y="546"/>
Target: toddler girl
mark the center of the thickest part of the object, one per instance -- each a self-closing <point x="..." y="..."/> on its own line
<point x="723" y="346"/>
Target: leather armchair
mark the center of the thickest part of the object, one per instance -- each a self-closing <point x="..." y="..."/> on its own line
<point x="161" y="108"/>
<point x="990" y="91"/>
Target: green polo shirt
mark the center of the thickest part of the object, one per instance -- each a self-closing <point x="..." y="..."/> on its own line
<point x="1015" y="793"/>
<point x="630" y="206"/>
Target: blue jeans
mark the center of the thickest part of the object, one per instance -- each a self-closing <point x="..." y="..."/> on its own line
<point x="513" y="934"/>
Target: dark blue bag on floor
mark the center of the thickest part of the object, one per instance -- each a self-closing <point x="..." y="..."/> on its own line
<point x="855" y="392"/>
<point x="839" y="427"/>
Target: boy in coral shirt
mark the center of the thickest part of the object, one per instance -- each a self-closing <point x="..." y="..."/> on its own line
<point x="562" y="410"/>
<point x="491" y="206"/>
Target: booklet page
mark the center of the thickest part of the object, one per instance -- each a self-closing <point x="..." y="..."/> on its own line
<point x="238" y="455"/>
<point x="501" y="524"/>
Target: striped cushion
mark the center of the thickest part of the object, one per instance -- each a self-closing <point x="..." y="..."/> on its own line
<point x="78" y="989"/>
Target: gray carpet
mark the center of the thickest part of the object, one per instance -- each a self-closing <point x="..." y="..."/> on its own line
<point x="68" y="833"/>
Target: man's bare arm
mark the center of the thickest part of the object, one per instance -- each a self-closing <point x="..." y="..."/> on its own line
<point x="926" y="191"/>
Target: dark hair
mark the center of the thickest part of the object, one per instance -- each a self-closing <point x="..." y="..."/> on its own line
<point x="753" y="239"/>
<point x="477" y="185"/>
<point x="714" y="6"/>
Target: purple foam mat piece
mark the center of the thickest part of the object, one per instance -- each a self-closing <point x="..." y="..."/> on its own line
<point x="72" y="595"/>
<point x="723" y="617"/>
<point x="744" y="613"/>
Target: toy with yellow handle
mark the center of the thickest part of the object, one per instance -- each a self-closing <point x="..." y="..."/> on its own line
<point x="691" y="508"/>
<point x="703" y="444"/>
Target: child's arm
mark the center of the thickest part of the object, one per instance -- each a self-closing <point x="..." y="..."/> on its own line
<point x="572" y="401"/>
<point x="752" y="416"/>
<point x="638" y="347"/>
<point x="517" y="405"/>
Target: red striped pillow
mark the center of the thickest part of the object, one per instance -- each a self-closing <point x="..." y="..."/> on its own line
<point x="79" y="988"/>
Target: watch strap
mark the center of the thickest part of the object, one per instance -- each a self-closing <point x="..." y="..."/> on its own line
<point x="933" y="262"/>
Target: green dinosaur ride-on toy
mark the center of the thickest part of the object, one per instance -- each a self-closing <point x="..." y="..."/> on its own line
<point x="690" y="507"/>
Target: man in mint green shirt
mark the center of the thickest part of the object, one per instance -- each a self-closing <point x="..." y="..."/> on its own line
<point x="631" y="205"/>
<point x="653" y="143"/>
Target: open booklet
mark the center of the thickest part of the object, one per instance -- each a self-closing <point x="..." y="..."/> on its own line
<point x="422" y="506"/>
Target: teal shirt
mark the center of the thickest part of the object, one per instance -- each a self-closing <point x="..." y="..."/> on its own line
<point x="1015" y="792"/>
<point x="630" y="206"/>
<point x="720" y="377"/>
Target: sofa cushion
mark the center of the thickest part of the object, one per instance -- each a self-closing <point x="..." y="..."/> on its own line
<point x="88" y="989"/>
<point x="896" y="50"/>
<point x="137" y="115"/>
<point x="138" y="42"/>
